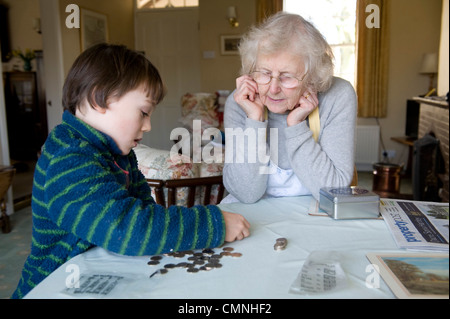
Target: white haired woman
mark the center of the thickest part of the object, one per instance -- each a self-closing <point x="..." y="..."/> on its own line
<point x="287" y="69"/>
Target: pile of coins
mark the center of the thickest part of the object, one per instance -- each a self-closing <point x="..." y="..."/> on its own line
<point x="205" y="260"/>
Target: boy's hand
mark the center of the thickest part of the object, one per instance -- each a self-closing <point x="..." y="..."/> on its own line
<point x="236" y="227"/>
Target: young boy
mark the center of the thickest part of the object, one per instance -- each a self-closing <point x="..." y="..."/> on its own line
<point x="87" y="189"/>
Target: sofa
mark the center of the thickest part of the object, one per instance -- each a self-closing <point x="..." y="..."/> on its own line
<point x="159" y="164"/>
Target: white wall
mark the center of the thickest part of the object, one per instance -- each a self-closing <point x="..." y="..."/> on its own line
<point x="4" y="149"/>
<point x="444" y="52"/>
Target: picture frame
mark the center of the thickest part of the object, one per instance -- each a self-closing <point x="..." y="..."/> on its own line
<point x="229" y="44"/>
<point x="414" y="275"/>
<point x="94" y="28"/>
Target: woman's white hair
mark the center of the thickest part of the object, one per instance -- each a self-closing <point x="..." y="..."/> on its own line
<point x="283" y="31"/>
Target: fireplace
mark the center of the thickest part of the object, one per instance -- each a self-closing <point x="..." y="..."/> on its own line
<point x="431" y="152"/>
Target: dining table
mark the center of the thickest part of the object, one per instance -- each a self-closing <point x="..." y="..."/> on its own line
<point x="323" y="258"/>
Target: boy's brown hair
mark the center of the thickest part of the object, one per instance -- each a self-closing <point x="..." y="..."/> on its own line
<point x="107" y="71"/>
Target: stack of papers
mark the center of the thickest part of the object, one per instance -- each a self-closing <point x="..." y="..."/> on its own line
<point x="417" y="225"/>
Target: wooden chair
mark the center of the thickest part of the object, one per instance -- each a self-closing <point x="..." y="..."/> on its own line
<point x="193" y="185"/>
<point x="354" y="181"/>
<point x="6" y="178"/>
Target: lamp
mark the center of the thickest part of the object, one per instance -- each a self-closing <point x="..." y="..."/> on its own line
<point x="232" y="18"/>
<point x="429" y="67"/>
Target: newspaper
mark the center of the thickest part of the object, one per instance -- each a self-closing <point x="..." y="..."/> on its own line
<point x="417" y="225"/>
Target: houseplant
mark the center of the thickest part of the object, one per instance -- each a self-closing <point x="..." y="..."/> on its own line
<point x="26" y="57"/>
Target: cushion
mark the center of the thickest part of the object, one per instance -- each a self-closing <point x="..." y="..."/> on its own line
<point x="159" y="164"/>
<point x="199" y="106"/>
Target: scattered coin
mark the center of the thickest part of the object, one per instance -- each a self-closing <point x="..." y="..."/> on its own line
<point x="210" y="266"/>
<point x="205" y="260"/>
<point x="156" y="257"/>
<point x="280" y="244"/>
<point x="179" y="254"/>
<point x="192" y="270"/>
<point x="159" y="271"/>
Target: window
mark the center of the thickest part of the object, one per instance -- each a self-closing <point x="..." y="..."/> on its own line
<point x="336" y="20"/>
<point x="161" y="4"/>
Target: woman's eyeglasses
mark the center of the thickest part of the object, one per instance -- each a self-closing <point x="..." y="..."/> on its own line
<point x="286" y="81"/>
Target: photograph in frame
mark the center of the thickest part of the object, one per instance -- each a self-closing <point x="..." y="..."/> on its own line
<point x="94" y="28"/>
<point x="415" y="275"/>
<point x="229" y="44"/>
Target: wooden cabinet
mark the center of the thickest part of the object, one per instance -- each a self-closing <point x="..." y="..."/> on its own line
<point x="25" y="114"/>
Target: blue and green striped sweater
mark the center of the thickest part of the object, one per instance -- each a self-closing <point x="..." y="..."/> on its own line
<point x="82" y="197"/>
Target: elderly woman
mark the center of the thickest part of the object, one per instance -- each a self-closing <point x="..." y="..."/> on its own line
<point x="287" y="69"/>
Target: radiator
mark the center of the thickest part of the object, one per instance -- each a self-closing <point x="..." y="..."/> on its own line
<point x="367" y="146"/>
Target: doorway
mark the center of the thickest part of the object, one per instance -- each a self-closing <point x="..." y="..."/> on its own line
<point x="170" y="39"/>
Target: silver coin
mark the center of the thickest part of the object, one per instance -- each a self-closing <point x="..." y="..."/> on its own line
<point x="280" y="244"/>
<point x="199" y="262"/>
<point x="208" y="251"/>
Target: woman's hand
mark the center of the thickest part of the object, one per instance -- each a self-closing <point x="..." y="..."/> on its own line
<point x="247" y="96"/>
<point x="308" y="103"/>
<point x="236" y="226"/>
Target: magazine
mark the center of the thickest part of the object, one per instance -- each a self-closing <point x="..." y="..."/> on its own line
<point x="414" y="275"/>
<point x="417" y="225"/>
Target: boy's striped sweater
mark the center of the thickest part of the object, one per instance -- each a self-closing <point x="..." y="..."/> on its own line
<point x="86" y="194"/>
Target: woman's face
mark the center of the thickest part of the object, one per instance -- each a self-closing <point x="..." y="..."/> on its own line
<point x="277" y="98"/>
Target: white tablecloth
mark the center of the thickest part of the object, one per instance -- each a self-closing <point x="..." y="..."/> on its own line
<point x="261" y="272"/>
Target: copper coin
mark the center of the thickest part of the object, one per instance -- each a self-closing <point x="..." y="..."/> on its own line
<point x="156" y="257"/>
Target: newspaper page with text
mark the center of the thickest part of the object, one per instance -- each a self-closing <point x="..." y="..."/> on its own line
<point x="417" y="225"/>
